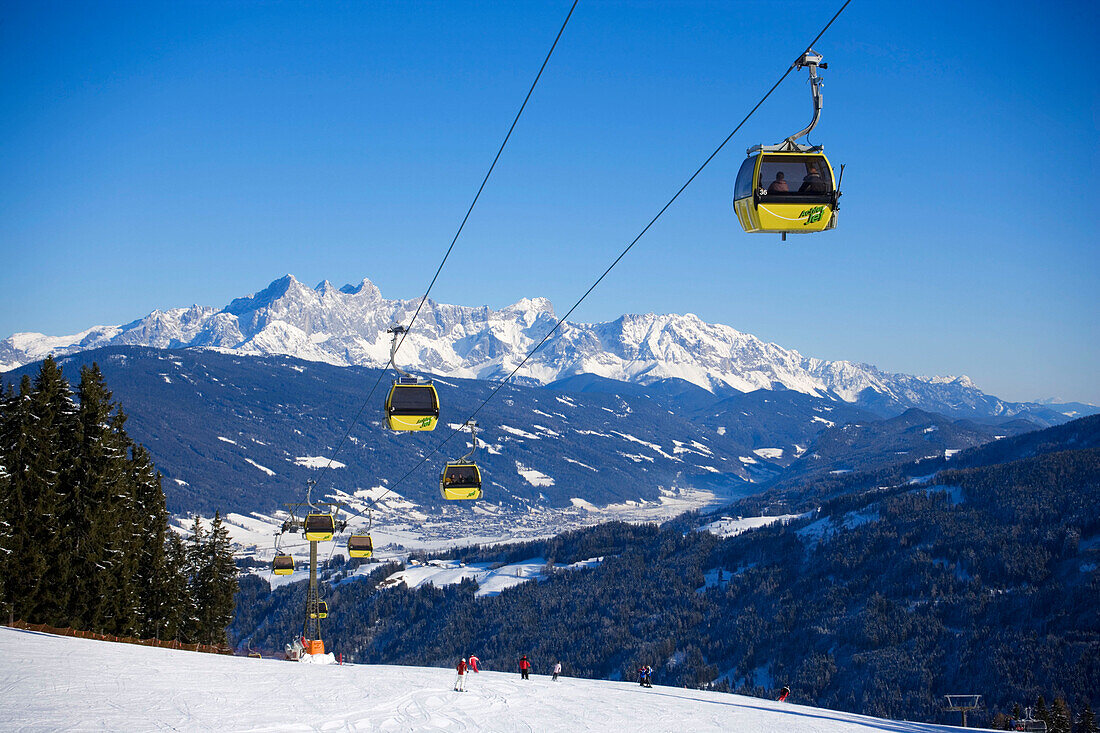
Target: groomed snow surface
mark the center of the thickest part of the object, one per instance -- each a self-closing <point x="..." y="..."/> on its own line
<point x="56" y="683"/>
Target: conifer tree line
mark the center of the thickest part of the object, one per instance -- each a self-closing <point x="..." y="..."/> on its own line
<point x="84" y="535"/>
<point x="1058" y="717"/>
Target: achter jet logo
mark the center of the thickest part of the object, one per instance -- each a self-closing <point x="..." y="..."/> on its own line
<point x="814" y="213"/>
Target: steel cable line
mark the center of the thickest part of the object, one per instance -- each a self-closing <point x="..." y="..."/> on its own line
<point x="446" y="255"/>
<point x="622" y="254"/>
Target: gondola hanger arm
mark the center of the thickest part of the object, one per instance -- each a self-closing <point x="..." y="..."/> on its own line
<point x="809" y="60"/>
<point x="397" y="331"/>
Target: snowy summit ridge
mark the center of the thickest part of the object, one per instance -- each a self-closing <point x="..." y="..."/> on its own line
<point x="347" y="326"/>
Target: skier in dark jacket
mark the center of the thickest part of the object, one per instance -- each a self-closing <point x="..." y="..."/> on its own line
<point x="524" y="668"/>
<point x="783" y="693"/>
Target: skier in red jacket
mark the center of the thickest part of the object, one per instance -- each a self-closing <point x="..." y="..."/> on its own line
<point x="524" y="668"/>
<point x="460" y="683"/>
<point x="783" y="693"/>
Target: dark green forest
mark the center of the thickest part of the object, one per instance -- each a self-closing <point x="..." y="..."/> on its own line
<point x="878" y="600"/>
<point x="84" y="536"/>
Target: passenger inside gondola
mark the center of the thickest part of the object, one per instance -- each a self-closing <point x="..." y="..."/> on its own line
<point x="813" y="182"/>
<point x="461" y="476"/>
<point x="776" y="173"/>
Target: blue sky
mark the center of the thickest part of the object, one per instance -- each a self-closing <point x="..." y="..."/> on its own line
<point x="155" y="155"/>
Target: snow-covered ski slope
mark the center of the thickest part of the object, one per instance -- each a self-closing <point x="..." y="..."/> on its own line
<point x="56" y="683"/>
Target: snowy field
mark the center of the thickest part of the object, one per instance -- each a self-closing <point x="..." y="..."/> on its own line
<point x="52" y="683"/>
<point x="730" y="527"/>
<point x="490" y="580"/>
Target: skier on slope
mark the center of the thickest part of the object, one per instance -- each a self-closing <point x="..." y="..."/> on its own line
<point x="783" y="693"/>
<point x="524" y="668"/>
<point x="557" y="671"/>
<point x="472" y="664"/>
<point x="460" y="681"/>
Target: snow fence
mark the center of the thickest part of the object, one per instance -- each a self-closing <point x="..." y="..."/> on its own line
<point x="206" y="648"/>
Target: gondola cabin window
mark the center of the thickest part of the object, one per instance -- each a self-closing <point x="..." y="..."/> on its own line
<point x="461" y="476"/>
<point x="795" y="178"/>
<point x="742" y="188"/>
<point x="414" y="400"/>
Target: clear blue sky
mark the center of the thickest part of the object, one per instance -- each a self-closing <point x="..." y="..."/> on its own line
<point x="155" y="155"/>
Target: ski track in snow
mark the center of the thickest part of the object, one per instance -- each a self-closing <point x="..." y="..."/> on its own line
<point x="53" y="683"/>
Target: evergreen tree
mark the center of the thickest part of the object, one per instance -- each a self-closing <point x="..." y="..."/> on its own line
<point x="198" y="583"/>
<point x="1086" y="721"/>
<point x="43" y="461"/>
<point x="152" y="580"/>
<point x="179" y="606"/>
<point x="7" y="501"/>
<point x="220" y="573"/>
<point x="102" y="514"/>
<point x="1059" y="717"/>
<point x="124" y="598"/>
<point x="1041" y="712"/>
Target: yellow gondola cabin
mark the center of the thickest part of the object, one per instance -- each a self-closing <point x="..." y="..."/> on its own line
<point x="785" y="192"/>
<point x="789" y="188"/>
<point x="360" y="545"/>
<point x="460" y="481"/>
<point x="320" y="527"/>
<point x="412" y="405"/>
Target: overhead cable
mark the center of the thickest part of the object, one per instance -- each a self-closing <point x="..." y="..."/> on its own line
<point x="447" y="254"/>
<point x="622" y="254"/>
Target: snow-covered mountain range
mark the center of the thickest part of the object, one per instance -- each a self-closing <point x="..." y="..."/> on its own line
<point x="347" y="326"/>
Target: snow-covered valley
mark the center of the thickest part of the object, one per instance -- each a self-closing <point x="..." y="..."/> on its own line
<point x="398" y="527"/>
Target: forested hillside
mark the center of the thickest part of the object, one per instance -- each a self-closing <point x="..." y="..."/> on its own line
<point x="980" y="580"/>
<point x="246" y="433"/>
